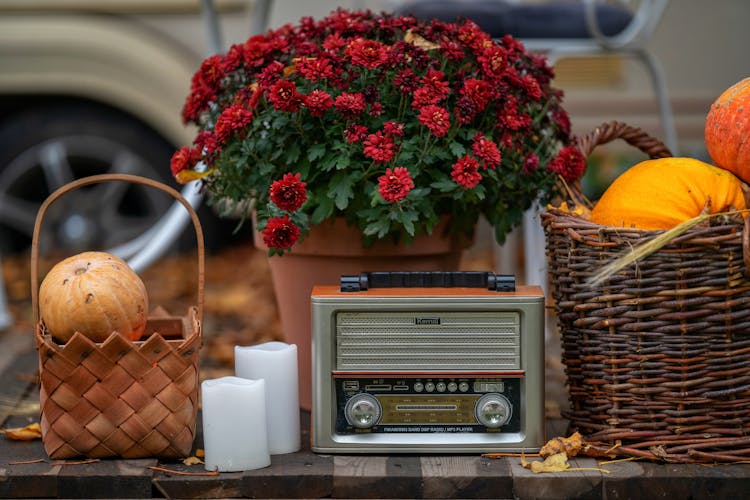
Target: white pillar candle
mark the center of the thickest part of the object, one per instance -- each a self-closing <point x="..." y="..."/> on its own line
<point x="276" y="362"/>
<point x="234" y="423"/>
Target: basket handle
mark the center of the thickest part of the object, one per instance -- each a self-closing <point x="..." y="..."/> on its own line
<point x="96" y="179"/>
<point x="609" y="131"/>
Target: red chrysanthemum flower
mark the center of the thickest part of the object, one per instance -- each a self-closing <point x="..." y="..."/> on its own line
<point x="315" y="68"/>
<point x="232" y="119"/>
<point x="452" y="50"/>
<point x="436" y="119"/>
<point x="510" y="117"/>
<point x="211" y="71"/>
<point x="254" y="51"/>
<point x="318" y="102"/>
<point x="355" y="133"/>
<point x="531" y="87"/>
<point x="393" y="129"/>
<point x="197" y="102"/>
<point x="433" y="90"/>
<point x="280" y="233"/>
<point x="530" y="163"/>
<point x="471" y="35"/>
<point x="465" y="110"/>
<point x="233" y="58"/>
<point x="350" y="104"/>
<point x="485" y="150"/>
<point x="493" y="61"/>
<point x="379" y="147"/>
<point x="184" y="158"/>
<point x="289" y="192"/>
<point x="270" y="74"/>
<point x="206" y="141"/>
<point x="478" y="93"/>
<point x="569" y="163"/>
<point x="406" y="81"/>
<point x="284" y="96"/>
<point x="334" y="42"/>
<point x="395" y="184"/>
<point x="367" y="53"/>
<point x="465" y="172"/>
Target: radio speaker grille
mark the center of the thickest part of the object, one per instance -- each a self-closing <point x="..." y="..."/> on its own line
<point x="428" y="340"/>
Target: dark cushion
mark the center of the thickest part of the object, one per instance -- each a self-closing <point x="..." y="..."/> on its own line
<point x="538" y="20"/>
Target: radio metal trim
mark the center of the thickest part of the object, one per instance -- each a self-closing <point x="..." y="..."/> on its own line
<point x="374" y="392"/>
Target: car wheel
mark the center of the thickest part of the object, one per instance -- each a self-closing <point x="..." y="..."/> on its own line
<point x="45" y="148"/>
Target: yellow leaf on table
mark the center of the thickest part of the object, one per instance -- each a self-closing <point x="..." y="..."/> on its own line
<point x="553" y="463"/>
<point x="28" y="433"/>
<point x="571" y="446"/>
<point x="192" y="461"/>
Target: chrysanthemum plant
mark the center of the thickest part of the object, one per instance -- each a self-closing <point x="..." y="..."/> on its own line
<point x="387" y="121"/>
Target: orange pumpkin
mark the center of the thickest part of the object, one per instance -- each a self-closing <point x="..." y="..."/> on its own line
<point x="94" y="293"/>
<point x="727" y="131"/>
<point x="661" y="193"/>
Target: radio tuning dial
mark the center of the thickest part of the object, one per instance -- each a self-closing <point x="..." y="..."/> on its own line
<point x="363" y="411"/>
<point x="493" y="410"/>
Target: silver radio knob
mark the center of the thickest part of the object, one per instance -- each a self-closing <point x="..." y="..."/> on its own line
<point x="493" y="410"/>
<point x="363" y="411"/>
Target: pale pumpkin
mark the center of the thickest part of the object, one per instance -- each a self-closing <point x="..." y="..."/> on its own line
<point x="661" y="193"/>
<point x="727" y="132"/>
<point x="94" y="293"/>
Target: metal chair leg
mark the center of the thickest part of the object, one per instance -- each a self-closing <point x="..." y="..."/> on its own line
<point x="659" y="82"/>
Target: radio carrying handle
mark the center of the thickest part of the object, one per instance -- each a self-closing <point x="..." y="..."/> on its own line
<point x="428" y="279"/>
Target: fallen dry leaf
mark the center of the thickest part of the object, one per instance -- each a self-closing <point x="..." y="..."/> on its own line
<point x="571" y="446"/>
<point x="28" y="433"/>
<point x="192" y="461"/>
<point x="553" y="463"/>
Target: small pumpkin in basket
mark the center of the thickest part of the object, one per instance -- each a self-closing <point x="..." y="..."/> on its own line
<point x="663" y="192"/>
<point x="94" y="293"/>
<point x="727" y="132"/>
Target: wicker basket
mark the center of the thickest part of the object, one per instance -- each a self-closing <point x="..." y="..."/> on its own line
<point x="658" y="356"/>
<point x="120" y="398"/>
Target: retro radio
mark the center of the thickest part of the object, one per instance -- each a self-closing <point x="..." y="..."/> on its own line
<point x="427" y="362"/>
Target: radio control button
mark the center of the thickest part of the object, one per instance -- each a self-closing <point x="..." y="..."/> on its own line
<point x="363" y="411"/>
<point x="440" y="387"/>
<point x="452" y="386"/>
<point x="463" y="386"/>
<point x="418" y="386"/>
<point x="429" y="387"/>
<point x="493" y="410"/>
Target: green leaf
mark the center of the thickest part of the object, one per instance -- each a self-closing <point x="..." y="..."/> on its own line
<point x="292" y="153"/>
<point x="457" y="149"/>
<point x="316" y="151"/>
<point x="379" y="227"/>
<point x="407" y="219"/>
<point x="323" y="210"/>
<point x="341" y="189"/>
<point x="444" y="186"/>
<point x="342" y="162"/>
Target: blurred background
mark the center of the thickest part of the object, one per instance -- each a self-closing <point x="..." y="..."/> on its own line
<point x="93" y="86"/>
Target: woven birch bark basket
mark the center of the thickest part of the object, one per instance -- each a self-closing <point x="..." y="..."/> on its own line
<point x="120" y="398"/>
<point x="657" y="356"/>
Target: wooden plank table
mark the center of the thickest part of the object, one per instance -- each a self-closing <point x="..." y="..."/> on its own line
<point x="309" y="475"/>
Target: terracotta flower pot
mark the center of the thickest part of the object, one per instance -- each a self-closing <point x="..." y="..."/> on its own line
<point x="330" y="250"/>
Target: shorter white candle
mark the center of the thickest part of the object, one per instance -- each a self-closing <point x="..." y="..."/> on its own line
<point x="276" y="362"/>
<point x="234" y="423"/>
